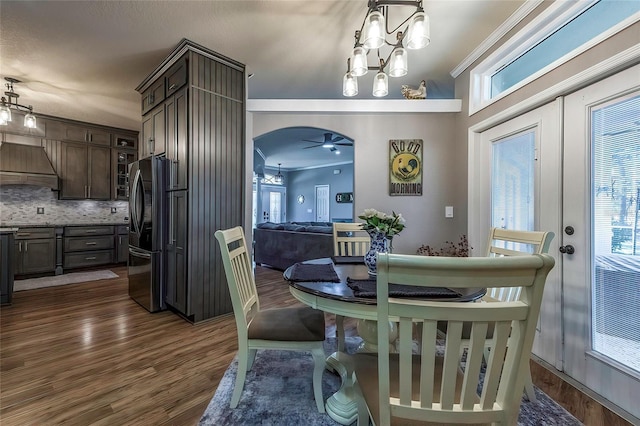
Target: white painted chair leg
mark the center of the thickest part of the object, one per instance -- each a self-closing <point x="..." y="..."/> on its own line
<point x="340" y="332"/>
<point x="252" y="357"/>
<point x="319" y="365"/>
<point x="528" y="387"/>
<point x="243" y="366"/>
<point x="363" y="410"/>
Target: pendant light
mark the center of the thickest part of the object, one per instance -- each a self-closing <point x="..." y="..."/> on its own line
<point x="374" y="30"/>
<point x="418" y="34"/>
<point x="398" y="67"/>
<point x="349" y="82"/>
<point x="380" y="83"/>
<point x="278" y="178"/>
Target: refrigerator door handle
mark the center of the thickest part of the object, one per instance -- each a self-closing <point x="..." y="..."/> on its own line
<point x="134" y="203"/>
<point x="138" y="253"/>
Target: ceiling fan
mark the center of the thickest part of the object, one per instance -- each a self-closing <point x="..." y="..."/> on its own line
<point x="329" y="142"/>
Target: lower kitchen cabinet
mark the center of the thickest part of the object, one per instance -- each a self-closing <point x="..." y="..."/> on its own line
<point x="86" y="246"/>
<point x="6" y="267"/>
<point x="122" y="244"/>
<point x="177" y="290"/>
<point x="35" y="251"/>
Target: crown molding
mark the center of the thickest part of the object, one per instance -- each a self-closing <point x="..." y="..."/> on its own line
<point x="517" y="16"/>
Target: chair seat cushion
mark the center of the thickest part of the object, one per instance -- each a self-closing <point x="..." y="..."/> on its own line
<point x="366" y="371"/>
<point x="298" y="324"/>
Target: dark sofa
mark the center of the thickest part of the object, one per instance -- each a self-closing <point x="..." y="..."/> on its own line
<point x="280" y="245"/>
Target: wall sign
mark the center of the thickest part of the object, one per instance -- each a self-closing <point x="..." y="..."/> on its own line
<point x="344" y="197"/>
<point x="405" y="166"/>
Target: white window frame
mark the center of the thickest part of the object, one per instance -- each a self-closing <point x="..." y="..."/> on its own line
<point x="550" y="20"/>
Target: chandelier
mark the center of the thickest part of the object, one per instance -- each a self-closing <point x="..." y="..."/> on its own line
<point x="278" y="178"/>
<point x="12" y="103"/>
<point x="411" y="33"/>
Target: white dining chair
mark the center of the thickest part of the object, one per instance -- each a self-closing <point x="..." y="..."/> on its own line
<point x="434" y="387"/>
<point x="294" y="328"/>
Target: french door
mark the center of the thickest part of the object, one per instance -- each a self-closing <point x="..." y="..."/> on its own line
<point x="514" y="183"/>
<point x="601" y="240"/>
<point x="273" y="202"/>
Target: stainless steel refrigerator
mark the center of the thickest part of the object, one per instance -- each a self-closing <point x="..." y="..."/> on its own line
<point x="147" y="229"/>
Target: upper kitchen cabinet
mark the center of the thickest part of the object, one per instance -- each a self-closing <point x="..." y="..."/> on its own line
<point x="85" y="171"/>
<point x="153" y="133"/>
<point x="123" y="153"/>
<point x="78" y="133"/>
<point x="204" y="122"/>
<point x="152" y="96"/>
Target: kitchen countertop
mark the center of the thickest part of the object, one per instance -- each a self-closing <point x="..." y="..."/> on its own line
<point x="8" y="230"/>
<point x="13" y="224"/>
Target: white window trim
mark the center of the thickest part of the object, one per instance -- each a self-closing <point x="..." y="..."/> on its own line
<point x="555" y="16"/>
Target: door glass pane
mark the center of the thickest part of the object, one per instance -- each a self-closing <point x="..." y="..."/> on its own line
<point x="513" y="183"/>
<point x="615" y="292"/>
<point x="275" y="206"/>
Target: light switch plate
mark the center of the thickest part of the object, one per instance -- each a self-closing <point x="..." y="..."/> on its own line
<point x="40" y="210"/>
<point x="448" y="211"/>
<point x="114" y="210"/>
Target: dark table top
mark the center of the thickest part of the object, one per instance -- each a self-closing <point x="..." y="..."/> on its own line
<point x="340" y="291"/>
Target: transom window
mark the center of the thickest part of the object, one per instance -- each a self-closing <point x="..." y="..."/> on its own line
<point x="561" y="32"/>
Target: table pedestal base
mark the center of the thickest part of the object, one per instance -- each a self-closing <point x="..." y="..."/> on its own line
<point x="342" y="406"/>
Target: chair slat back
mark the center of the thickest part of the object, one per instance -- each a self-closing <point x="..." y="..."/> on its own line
<point x="349" y="239"/>
<point x="507" y="242"/>
<point x="442" y="395"/>
<point x="239" y="274"/>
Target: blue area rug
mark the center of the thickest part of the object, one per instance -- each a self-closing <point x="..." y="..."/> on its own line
<point x="278" y="392"/>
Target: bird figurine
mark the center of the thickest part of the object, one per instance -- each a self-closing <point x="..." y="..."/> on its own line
<point x="419" y="93"/>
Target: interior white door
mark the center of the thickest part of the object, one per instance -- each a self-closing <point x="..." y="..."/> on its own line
<point x="273" y="204"/>
<point x="601" y="265"/>
<point x="322" y="203"/>
<point x="514" y="183"/>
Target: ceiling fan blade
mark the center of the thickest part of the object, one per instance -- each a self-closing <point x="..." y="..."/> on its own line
<point x="337" y="138"/>
<point x="312" y="146"/>
<point x="307" y="140"/>
<point x="344" y="144"/>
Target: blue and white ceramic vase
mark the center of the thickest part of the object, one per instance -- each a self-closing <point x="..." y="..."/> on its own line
<point x="379" y="244"/>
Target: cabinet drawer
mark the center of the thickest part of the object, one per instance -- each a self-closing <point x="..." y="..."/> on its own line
<point x="81" y="231"/>
<point x="122" y="230"/>
<point x="88" y="258"/>
<point x="176" y="77"/>
<point x="88" y="243"/>
<point x="125" y="142"/>
<point x="31" y="233"/>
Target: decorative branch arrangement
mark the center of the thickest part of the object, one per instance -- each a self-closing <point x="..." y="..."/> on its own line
<point x="450" y="249"/>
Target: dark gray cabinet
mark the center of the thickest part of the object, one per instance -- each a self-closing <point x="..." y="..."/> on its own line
<point x="122" y="244"/>
<point x="204" y="124"/>
<point x="85" y="171"/>
<point x="153" y="133"/>
<point x="63" y="131"/>
<point x="86" y="246"/>
<point x="7" y="255"/>
<point x="35" y="251"/>
<point x="176" y="142"/>
<point x="176" y="294"/>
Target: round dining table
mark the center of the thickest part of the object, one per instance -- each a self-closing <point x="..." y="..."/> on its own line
<point x="338" y="298"/>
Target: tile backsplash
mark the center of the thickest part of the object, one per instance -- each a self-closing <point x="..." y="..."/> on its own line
<point x="19" y="205"/>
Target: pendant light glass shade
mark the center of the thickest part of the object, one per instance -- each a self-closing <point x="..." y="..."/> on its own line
<point x="30" y="121"/>
<point x="5" y="114"/>
<point x="349" y="85"/>
<point x="374" y="31"/>
<point x="418" y="34"/>
<point x="398" y="61"/>
<point x="359" y="61"/>
<point x="380" y="85"/>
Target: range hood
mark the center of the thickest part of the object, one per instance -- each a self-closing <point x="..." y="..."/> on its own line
<point x="26" y="165"/>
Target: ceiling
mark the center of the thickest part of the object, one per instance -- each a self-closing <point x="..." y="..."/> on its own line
<point x="83" y="59"/>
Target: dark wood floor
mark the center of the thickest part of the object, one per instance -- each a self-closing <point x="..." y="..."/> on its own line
<point x="87" y="354"/>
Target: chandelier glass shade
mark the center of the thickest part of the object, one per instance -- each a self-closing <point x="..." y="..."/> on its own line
<point x="11" y="103"/>
<point x="411" y="33"/>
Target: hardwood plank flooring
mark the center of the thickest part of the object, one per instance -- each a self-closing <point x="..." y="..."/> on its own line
<point x="86" y="354"/>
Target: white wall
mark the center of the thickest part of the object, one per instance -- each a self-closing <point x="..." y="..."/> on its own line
<point x="371" y="133"/>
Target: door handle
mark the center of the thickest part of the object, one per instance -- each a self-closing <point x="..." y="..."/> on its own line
<point x="568" y="249"/>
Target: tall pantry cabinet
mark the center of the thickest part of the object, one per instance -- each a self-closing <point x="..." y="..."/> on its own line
<point x="194" y="103"/>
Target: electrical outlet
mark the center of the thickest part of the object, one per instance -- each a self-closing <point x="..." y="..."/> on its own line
<point x="40" y="210"/>
<point x="114" y="210"/>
